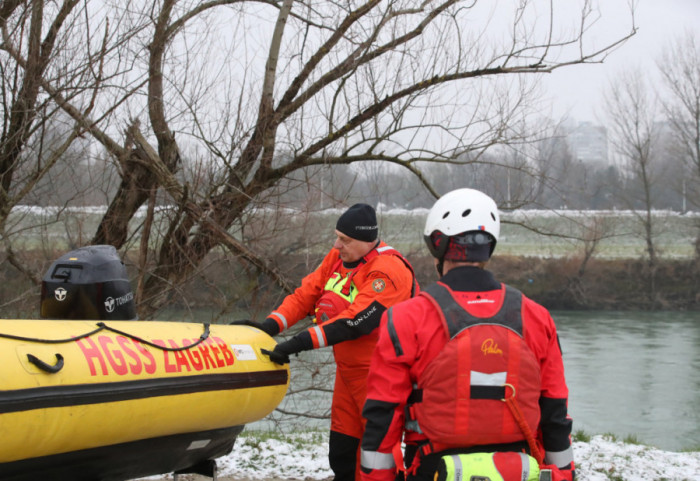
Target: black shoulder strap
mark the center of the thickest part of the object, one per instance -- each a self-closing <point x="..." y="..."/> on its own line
<point x="456" y="318"/>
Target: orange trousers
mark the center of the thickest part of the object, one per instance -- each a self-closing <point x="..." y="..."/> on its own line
<point x="347" y="423"/>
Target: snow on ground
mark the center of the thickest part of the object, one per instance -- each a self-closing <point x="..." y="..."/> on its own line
<point x="297" y="456"/>
<point x="303" y="456"/>
<point x="604" y="459"/>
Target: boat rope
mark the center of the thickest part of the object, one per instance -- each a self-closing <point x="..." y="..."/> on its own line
<point x="104" y="327"/>
<point x="52" y="341"/>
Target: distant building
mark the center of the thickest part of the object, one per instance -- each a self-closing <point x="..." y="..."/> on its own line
<point x="589" y="143"/>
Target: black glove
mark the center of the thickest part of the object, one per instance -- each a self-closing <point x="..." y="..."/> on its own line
<point x="268" y="326"/>
<point x="245" y="322"/>
<point x="276" y="357"/>
<point x="280" y="355"/>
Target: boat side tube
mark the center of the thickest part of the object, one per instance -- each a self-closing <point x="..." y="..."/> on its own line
<point x="115" y="400"/>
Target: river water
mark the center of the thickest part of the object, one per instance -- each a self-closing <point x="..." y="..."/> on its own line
<point x="634" y="374"/>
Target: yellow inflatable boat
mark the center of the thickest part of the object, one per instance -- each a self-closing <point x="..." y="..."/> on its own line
<point x="117" y="400"/>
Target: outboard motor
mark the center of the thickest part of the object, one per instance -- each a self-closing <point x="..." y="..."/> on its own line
<point x="88" y="283"/>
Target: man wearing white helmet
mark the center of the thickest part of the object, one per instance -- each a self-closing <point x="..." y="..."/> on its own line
<point x="469" y="374"/>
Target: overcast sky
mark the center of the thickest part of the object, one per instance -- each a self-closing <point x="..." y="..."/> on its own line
<point x="578" y="90"/>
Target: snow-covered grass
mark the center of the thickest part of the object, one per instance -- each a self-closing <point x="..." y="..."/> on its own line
<point x="549" y="233"/>
<point x="303" y="456"/>
<point x="604" y="458"/>
<point x="257" y="455"/>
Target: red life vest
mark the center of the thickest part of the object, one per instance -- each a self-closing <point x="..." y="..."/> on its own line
<point x="462" y="391"/>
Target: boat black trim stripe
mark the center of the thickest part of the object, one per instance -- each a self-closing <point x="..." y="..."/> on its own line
<point x="80" y="394"/>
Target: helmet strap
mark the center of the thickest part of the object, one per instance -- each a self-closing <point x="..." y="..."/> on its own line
<point x="439" y="265"/>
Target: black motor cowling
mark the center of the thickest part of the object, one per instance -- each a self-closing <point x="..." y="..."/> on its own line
<point x="88" y="283"/>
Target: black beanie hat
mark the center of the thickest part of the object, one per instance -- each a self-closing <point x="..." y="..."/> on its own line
<point x="359" y="222"/>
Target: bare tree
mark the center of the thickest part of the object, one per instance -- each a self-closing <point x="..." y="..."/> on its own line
<point x="680" y="69"/>
<point x="208" y="107"/>
<point x="38" y="143"/>
<point x="679" y="66"/>
<point x="632" y="112"/>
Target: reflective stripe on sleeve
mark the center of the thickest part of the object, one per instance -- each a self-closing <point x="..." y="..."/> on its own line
<point x="561" y="459"/>
<point x="318" y="337"/>
<point x="281" y="318"/>
<point x="377" y="460"/>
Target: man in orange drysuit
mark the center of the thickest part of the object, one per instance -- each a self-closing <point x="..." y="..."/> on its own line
<point x="356" y="282"/>
<point x="461" y="232"/>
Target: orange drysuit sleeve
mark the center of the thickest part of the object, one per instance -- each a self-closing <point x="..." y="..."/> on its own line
<point x="301" y="302"/>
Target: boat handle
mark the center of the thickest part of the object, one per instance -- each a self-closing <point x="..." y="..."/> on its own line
<point x="47" y="367"/>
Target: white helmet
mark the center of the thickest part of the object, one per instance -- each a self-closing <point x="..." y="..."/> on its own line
<point x="458" y="213"/>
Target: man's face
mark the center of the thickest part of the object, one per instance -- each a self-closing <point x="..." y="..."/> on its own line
<point x="350" y="249"/>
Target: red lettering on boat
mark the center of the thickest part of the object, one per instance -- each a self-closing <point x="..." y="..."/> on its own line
<point x="115" y="357"/>
<point x="134" y="367"/>
<point x="91" y="353"/>
<point x="225" y="350"/>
